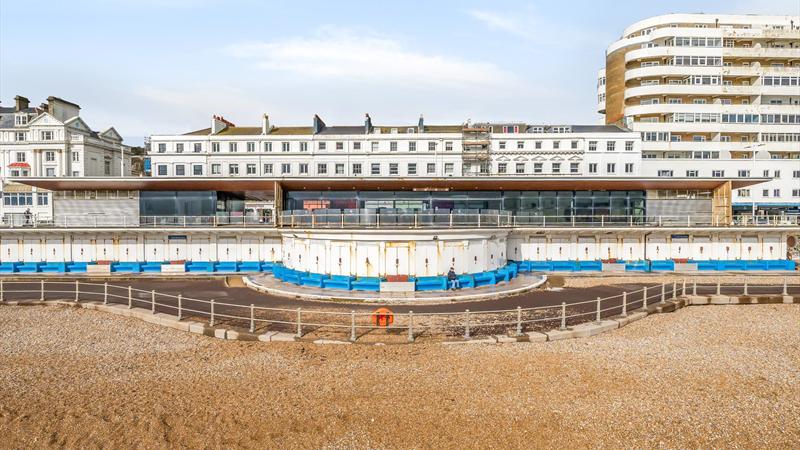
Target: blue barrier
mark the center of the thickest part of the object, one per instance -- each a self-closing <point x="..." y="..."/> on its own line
<point x="484" y="278"/>
<point x="54" y="267"/>
<point x="313" y="279"/>
<point x="226" y="266"/>
<point x="595" y="266"/>
<point x="431" y="283"/>
<point x="201" y="267"/>
<point x="662" y="266"/>
<point x="266" y="266"/>
<point x="291" y="276"/>
<point x="637" y="266"/>
<point x="250" y="266"/>
<point x="130" y="267"/>
<point x="77" y="266"/>
<point x="340" y="282"/>
<point x="152" y="266"/>
<point x="9" y="267"/>
<point x="29" y="267"/>
<point x="731" y="265"/>
<point x="466" y="281"/>
<point x="367" y="284"/>
<point x="564" y="266"/>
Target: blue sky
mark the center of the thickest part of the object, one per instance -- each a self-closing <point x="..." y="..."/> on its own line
<point x="166" y="66"/>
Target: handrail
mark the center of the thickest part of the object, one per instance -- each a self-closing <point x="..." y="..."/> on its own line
<point x="519" y="317"/>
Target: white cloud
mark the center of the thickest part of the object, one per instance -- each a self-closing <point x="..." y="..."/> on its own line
<point x="350" y="55"/>
<point x="503" y="22"/>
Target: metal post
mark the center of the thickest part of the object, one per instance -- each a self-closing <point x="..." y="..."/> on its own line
<point x="42" y="289"/>
<point x="718" y="286"/>
<point x="745" y="286"/>
<point x="130" y="299"/>
<point x="411" y="326"/>
<point x="180" y="306"/>
<point x="211" y="323"/>
<point x="563" y="316"/>
<point x="105" y="293"/>
<point x="252" y="317"/>
<point x="684" y="287"/>
<point x="624" y="304"/>
<point x="785" y="290"/>
<point x="663" y="293"/>
<point x="694" y="286"/>
<point x="2" y="298"/>
<point x="597" y="321"/>
<point x="466" y="324"/>
<point x="153" y="302"/>
<point x="299" y="324"/>
<point x="352" y="325"/>
<point x="77" y="290"/>
<point x="519" y="321"/>
<point x="674" y="289"/>
<point x="644" y="299"/>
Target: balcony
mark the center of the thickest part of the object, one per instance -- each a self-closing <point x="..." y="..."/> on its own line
<point x="710" y="108"/>
<point x="705" y="90"/>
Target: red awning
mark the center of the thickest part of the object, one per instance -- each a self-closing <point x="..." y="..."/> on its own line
<point x="19" y="164"/>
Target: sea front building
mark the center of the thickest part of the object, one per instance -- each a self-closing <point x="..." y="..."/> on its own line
<point x="712" y="96"/>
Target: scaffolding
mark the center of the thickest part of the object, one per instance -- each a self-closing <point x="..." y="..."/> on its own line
<point x="477" y="149"/>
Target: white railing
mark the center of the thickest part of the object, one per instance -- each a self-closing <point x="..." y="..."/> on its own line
<point x="102" y="221"/>
<point x="299" y="321"/>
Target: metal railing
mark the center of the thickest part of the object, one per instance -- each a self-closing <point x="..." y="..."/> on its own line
<point x="300" y="322"/>
<point x="102" y="221"/>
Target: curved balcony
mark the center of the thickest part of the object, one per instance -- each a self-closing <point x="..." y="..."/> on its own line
<point x="601" y="107"/>
<point x="762" y="52"/>
<point x="714" y="108"/>
<point x="671" y="71"/>
<point x="666" y="146"/>
<point x="663" y="52"/>
<point x="714" y="127"/>
<point x="707" y="90"/>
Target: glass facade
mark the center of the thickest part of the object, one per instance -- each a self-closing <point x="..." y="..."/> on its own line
<point x="189" y="203"/>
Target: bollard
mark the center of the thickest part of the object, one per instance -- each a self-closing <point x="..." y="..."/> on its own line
<point x="77" y="290"/>
<point x="352" y="325"/>
<point x="624" y="304"/>
<point x="252" y="317"/>
<point x="2" y="298"/>
<point x="563" y="316"/>
<point x="663" y="295"/>
<point x="211" y="323"/>
<point x="519" y="321"/>
<point x="644" y="299"/>
<point x="180" y="306"/>
<point x="674" y="290"/>
<point x="466" y="324"/>
<point x="694" y="286"/>
<point x="130" y="298"/>
<point x="718" y="286"/>
<point x="299" y="324"/>
<point x="684" y="287"/>
<point x="785" y="287"/>
<point x="105" y="293"/>
<point x="152" y="302"/>
<point x="597" y="321"/>
<point x="411" y="326"/>
<point x="745" y="286"/>
<point x="42" y="296"/>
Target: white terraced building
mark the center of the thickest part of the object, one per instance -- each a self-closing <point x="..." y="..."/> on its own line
<point x="51" y="140"/>
<point x="715" y="95"/>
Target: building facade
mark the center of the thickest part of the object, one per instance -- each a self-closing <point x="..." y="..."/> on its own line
<point x="51" y="140"/>
<point x="716" y="96"/>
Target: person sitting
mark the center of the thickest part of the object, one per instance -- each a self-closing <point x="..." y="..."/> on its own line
<point x="453" y="279"/>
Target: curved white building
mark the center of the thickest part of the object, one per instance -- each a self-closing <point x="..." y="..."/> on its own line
<point x="717" y="95"/>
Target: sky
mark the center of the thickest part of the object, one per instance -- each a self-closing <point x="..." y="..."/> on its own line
<point x="151" y="67"/>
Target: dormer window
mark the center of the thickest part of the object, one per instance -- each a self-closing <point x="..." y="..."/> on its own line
<point x="514" y="129"/>
<point x="21" y="119"/>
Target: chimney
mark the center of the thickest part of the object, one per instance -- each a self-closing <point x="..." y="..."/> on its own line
<point x="319" y="125"/>
<point x="265" y="124"/>
<point x="218" y="124"/>
<point x="367" y="124"/>
<point x="44" y="107"/>
<point x="20" y="103"/>
<point x="421" y="125"/>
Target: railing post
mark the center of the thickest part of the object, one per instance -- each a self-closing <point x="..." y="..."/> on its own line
<point x="745" y="287"/>
<point x="684" y="287"/>
<point x="563" y="316"/>
<point x="602" y="221"/>
<point x="451" y="219"/>
<point x="411" y="326"/>
<point x="2" y="298"/>
<point x="42" y="289"/>
<point x="597" y="321"/>
<point x="785" y="287"/>
<point x="624" y="304"/>
<point x="352" y="325"/>
<point x="130" y="300"/>
<point x="416" y="223"/>
<point x="644" y="299"/>
<point x="674" y="290"/>
<point x="153" y="302"/>
<point x="105" y="293"/>
<point x="466" y="324"/>
<point x="211" y="323"/>
<point x="180" y="306"/>
<point x="659" y="221"/>
<point x="718" y="286"/>
<point x="77" y="290"/>
<point x="299" y="325"/>
<point x="663" y="292"/>
<point x="252" y="317"/>
<point x="694" y="286"/>
<point x="519" y="321"/>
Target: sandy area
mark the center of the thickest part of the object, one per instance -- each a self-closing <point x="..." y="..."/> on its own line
<point x="703" y="377"/>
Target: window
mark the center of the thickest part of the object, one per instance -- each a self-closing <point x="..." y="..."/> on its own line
<point x="628" y="146"/>
<point x="376" y="169"/>
<point x="251" y="147"/>
<point x="162" y="169"/>
<point x="18" y="199"/>
<point x="21" y="120"/>
<point x="698" y="138"/>
<point x="267" y="146"/>
<point x="267" y="169"/>
<point x="51" y="172"/>
<point x="520" y="168"/>
<point x="514" y="129"/>
<point x="795" y="192"/>
<point x="20" y="136"/>
<point x="724" y="138"/>
<point x="412" y="146"/>
<point x="717" y="173"/>
<point x="611" y="168"/>
<point x="357" y="169"/>
<point x="699" y="101"/>
<point x="574" y="167"/>
<point x="233" y="169"/>
<point x="285" y="146"/>
<point x="776" y="193"/>
<point x="197" y="170"/>
<point x="538" y="145"/>
<point x="777" y="174"/>
<point x="198" y="147"/>
<point x="502" y="145"/>
<point x="448" y="168"/>
<point x="162" y="148"/>
<point x="322" y="169"/>
<point x="796" y="174"/>
<point x="665" y="173"/>
<point x="538" y="167"/>
<point x="556" y="145"/>
<point x="20" y="157"/>
<point x="302" y="169"/>
<point x="75" y="173"/>
<point x="592" y="146"/>
<point x="233" y="147"/>
<point x="431" y="168"/>
<point x="765" y="193"/>
<point x="251" y="169"/>
<point x="393" y="169"/>
<point x="691" y="174"/>
<point x="432" y="146"/>
<point x="592" y="167"/>
<point x="674" y="101"/>
<point x="611" y="146"/>
<point x="502" y="168"/>
<point x="216" y="169"/>
<point x="215" y="147"/>
<point x="744" y="173"/>
<point x="180" y="170"/>
<point x="47" y="135"/>
<point x="286" y="169"/>
<point x="520" y="145"/>
<point x="356" y="145"/>
<point x="556" y="167"/>
<point x="412" y="168"/>
<point x="393" y="146"/>
<point x="340" y="146"/>
<point x="76" y="157"/>
<point x="49" y="156"/>
<point x="628" y="167"/>
<point x="574" y="145"/>
<point x="743" y="192"/>
<point x="766" y="174"/>
<point x="178" y="148"/>
<point x="339" y="169"/>
<point x="375" y="146"/>
<point x="42" y="199"/>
